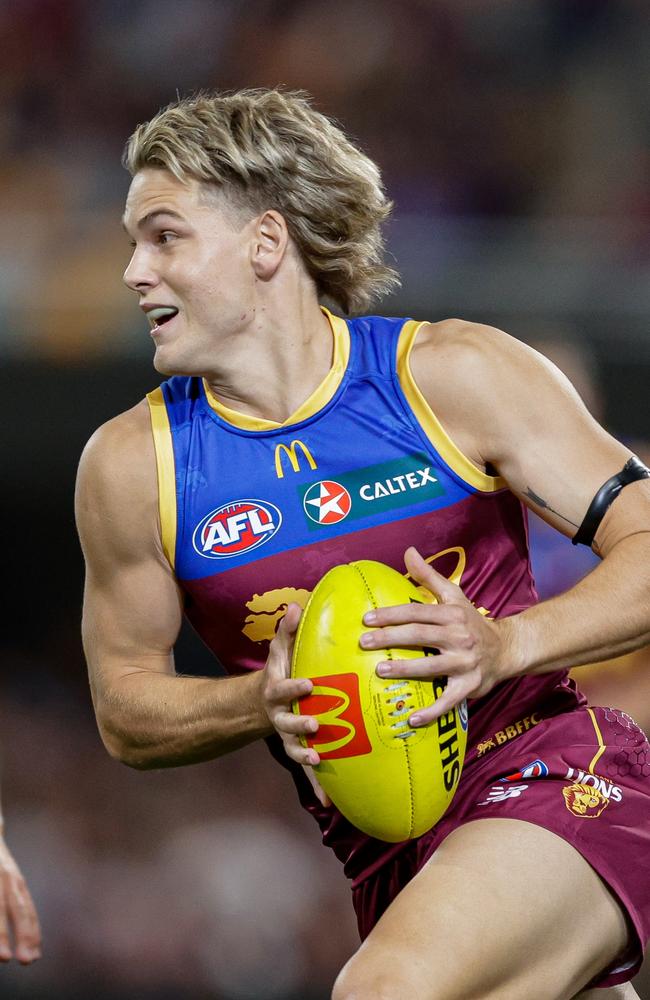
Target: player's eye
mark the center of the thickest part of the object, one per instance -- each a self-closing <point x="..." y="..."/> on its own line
<point x="165" y="237"/>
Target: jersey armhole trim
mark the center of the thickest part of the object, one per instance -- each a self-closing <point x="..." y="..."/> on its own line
<point x="166" y="468"/>
<point x="453" y="456"/>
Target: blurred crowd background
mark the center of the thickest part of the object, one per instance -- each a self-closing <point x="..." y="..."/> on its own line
<point x="514" y="138"/>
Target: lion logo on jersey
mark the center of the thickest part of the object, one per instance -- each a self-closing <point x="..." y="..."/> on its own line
<point x="583" y="800"/>
<point x="267" y="609"/>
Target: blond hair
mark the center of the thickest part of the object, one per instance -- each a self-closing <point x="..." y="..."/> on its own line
<point x="271" y="149"/>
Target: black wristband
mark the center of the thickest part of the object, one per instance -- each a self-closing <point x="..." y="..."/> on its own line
<point x="631" y="471"/>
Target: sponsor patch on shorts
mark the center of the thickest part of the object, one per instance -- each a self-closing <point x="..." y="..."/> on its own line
<point x="508" y="733"/>
<point x="589" y="795"/>
<point x="499" y="793"/>
<point x="536" y="769"/>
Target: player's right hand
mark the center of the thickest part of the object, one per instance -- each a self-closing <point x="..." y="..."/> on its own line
<point x="18" y="918"/>
<point x="279" y="689"/>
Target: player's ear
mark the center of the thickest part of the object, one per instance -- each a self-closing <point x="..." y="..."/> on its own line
<point x="269" y="244"/>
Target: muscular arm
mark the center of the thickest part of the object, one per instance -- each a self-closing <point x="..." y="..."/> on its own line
<point x="148" y="715"/>
<point x="522" y="417"/>
<point x="604" y="615"/>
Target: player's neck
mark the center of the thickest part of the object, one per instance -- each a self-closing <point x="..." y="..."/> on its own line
<point x="279" y="361"/>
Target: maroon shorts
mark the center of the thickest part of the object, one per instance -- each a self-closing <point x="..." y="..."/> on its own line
<point x="585" y="776"/>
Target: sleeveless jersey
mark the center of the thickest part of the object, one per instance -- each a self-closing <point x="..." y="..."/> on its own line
<point x="253" y="513"/>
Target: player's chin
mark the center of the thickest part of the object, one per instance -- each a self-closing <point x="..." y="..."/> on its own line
<point x="169" y="362"/>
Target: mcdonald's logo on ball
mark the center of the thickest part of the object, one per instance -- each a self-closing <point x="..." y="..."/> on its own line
<point x="336" y="703"/>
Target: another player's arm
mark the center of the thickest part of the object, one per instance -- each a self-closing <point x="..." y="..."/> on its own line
<point x="20" y="934"/>
<point x="148" y="715"/>
<point x="509" y="409"/>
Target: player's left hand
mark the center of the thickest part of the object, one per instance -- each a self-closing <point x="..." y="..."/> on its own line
<point x="18" y="919"/>
<point x="473" y="649"/>
<point x="280" y="689"/>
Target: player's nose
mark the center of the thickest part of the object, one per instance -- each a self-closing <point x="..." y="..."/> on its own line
<point x="139" y="275"/>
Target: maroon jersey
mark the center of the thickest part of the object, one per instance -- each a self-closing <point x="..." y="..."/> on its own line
<point x="253" y="514"/>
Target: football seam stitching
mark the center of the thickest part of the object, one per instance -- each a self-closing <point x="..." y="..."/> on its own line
<point x="389" y="652"/>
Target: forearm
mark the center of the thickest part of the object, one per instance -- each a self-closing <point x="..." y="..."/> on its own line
<point x="604" y="615"/>
<point x="150" y="720"/>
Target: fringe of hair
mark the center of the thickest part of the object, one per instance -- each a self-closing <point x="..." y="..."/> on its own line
<point x="271" y="149"/>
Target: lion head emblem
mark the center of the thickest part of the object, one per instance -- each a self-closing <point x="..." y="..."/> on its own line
<point x="583" y="800"/>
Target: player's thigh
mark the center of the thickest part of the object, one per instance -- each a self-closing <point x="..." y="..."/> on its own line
<point x="624" y="992"/>
<point x="503" y="910"/>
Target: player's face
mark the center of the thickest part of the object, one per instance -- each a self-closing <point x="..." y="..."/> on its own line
<point x="191" y="268"/>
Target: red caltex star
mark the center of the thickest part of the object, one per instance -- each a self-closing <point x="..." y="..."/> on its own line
<point x="330" y="501"/>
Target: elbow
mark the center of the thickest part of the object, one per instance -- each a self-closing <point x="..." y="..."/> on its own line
<point x="124" y="751"/>
<point x="134" y="757"/>
<point x="124" y="747"/>
<point x="139" y="762"/>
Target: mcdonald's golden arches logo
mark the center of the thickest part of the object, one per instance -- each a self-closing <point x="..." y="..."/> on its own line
<point x="335" y="701"/>
<point x="291" y="451"/>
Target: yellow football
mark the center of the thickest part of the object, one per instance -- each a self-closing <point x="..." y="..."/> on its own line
<point x="390" y="780"/>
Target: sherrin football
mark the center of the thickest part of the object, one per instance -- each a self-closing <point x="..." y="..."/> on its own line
<point x="390" y="780"/>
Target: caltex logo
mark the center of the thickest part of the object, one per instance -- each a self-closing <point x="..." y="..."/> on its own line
<point x="367" y="492"/>
<point x="235" y="528"/>
<point x="327" y="502"/>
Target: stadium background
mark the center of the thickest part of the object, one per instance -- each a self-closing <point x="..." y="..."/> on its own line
<point x="513" y="136"/>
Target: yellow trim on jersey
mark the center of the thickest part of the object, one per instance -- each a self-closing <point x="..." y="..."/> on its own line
<point x="319" y="397"/>
<point x="430" y="424"/>
<point x="601" y="743"/>
<point x="162" y="439"/>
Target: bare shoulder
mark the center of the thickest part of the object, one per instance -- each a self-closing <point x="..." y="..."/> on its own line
<point x="474" y="353"/>
<point x="117" y="489"/>
<point x="120" y="454"/>
<point x="130" y="428"/>
<point x="481" y="381"/>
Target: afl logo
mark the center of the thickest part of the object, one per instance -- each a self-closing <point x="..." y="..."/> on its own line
<point x="235" y="528"/>
<point x="327" y="502"/>
<point x="536" y="769"/>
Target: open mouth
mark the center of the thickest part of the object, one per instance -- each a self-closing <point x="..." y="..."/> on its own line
<point x="161" y="315"/>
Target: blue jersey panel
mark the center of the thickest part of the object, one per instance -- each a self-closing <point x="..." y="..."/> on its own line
<point x="361" y="460"/>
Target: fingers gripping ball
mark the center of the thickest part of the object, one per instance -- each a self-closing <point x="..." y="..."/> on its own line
<point x="390" y="780"/>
